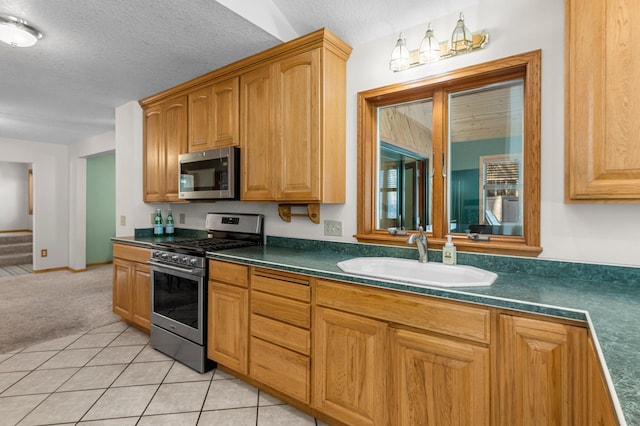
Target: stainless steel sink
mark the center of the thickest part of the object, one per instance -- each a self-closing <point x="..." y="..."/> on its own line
<point x="418" y="274"/>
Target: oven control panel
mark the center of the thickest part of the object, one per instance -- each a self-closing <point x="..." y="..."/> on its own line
<point x="178" y="259"/>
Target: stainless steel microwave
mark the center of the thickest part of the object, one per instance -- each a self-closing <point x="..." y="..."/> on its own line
<point x="213" y="174"/>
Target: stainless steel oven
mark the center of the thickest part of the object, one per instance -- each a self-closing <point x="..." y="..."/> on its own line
<point x="179" y="285"/>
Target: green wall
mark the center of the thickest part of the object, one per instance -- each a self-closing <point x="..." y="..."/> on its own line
<point x="101" y="207"/>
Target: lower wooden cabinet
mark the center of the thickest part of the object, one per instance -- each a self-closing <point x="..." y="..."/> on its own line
<point x="280" y="345"/>
<point x="438" y="381"/>
<point x="350" y="367"/>
<point x="367" y="356"/>
<point x="542" y="368"/>
<point x="228" y="316"/>
<point x="131" y="285"/>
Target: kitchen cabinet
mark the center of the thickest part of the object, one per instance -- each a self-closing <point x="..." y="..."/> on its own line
<point x="131" y="285"/>
<point x="285" y="107"/>
<point x="293" y="126"/>
<point x="213" y="115"/>
<point x="602" y="78"/>
<point x="542" y="372"/>
<point x="349" y="366"/>
<point x="600" y="406"/>
<point x="165" y="137"/>
<point x="384" y="343"/>
<point x="380" y="356"/>
<point x="228" y="317"/>
<point x="280" y="343"/>
<point x="438" y="380"/>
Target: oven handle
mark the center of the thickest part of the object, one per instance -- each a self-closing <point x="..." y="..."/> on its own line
<point x="174" y="268"/>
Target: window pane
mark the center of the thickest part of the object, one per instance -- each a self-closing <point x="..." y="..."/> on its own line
<point x="404" y="164"/>
<point x="485" y="159"/>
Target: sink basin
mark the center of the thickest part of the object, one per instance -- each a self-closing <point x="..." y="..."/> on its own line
<point x="418" y="274"/>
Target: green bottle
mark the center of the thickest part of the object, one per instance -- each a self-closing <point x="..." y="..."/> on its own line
<point x="157" y="224"/>
<point x="168" y="229"/>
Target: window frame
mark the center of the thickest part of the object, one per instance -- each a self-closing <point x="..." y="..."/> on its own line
<point x="526" y="66"/>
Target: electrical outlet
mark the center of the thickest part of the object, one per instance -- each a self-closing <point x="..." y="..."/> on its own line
<point x="43" y="253"/>
<point x="152" y="216"/>
<point x="123" y="221"/>
<point x="333" y="228"/>
<point x="181" y="219"/>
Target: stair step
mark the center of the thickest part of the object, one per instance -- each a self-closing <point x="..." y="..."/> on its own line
<point x="15" y="238"/>
<point x="15" y="259"/>
<point x="18" y="248"/>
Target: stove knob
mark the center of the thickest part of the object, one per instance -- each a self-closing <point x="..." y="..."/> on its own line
<point x="184" y="260"/>
<point x="175" y="258"/>
<point x="193" y="261"/>
<point x="165" y="256"/>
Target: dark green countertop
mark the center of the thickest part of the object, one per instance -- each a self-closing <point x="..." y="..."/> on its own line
<point x="603" y="296"/>
<point x="609" y="308"/>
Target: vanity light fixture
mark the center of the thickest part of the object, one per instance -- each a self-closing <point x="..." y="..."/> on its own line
<point x="399" y="55"/>
<point x="431" y="50"/>
<point x="17" y="32"/>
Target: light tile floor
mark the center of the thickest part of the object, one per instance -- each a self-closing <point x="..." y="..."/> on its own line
<point x="112" y="376"/>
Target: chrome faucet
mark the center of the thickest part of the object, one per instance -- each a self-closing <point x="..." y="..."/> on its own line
<point x="421" y="241"/>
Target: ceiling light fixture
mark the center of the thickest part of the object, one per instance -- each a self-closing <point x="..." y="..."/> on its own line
<point x="17" y="32"/>
<point x="462" y="41"/>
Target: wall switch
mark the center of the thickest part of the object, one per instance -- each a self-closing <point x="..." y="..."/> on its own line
<point x="43" y="253"/>
<point x="333" y="228"/>
<point x="181" y="219"/>
<point x="123" y="221"/>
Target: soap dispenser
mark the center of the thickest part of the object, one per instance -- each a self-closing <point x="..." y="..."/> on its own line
<point x="449" y="256"/>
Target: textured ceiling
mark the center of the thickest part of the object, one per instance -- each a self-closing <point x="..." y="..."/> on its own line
<point x="99" y="54"/>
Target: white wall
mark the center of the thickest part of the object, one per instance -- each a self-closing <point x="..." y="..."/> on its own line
<point x="78" y="153"/>
<point x="50" y="197"/>
<point x="14" y="198"/>
<point x="586" y="233"/>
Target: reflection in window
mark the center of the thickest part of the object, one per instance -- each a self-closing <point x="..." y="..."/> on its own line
<point x="485" y="146"/>
<point x="405" y="147"/>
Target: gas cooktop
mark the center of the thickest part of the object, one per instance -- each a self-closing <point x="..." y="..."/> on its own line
<point x="203" y="245"/>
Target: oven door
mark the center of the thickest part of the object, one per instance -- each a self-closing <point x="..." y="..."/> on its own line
<point x="178" y="301"/>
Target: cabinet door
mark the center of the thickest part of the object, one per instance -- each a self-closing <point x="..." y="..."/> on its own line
<point x="226" y="111"/>
<point x="297" y="89"/>
<point x="228" y="332"/>
<point x="122" y="293"/>
<point x="200" y="117"/>
<point x="175" y="140"/>
<point x="542" y="373"/>
<point x="602" y="83"/>
<point x="165" y="137"/>
<point x="349" y="367"/>
<point x="258" y="157"/>
<point x="153" y="175"/>
<point x="438" y="381"/>
<point x="141" y="300"/>
<point x="601" y="410"/>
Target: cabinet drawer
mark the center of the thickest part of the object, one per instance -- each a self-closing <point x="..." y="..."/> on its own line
<point x="282" y="284"/>
<point x="284" y="370"/>
<point x="136" y="254"/>
<point x="435" y="315"/>
<point x="281" y="309"/>
<point x="230" y="273"/>
<point x="281" y="334"/>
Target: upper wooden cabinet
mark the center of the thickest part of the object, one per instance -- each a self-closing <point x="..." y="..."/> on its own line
<point x="602" y="80"/>
<point x="285" y="107"/>
<point x="213" y="116"/>
<point x="293" y="127"/>
<point x="165" y="137"/>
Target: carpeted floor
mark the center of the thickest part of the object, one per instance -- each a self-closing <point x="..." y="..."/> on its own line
<point x="39" y="307"/>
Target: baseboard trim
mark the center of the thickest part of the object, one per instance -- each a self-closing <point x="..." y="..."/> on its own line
<point x="17" y="230"/>
<point x="67" y="268"/>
